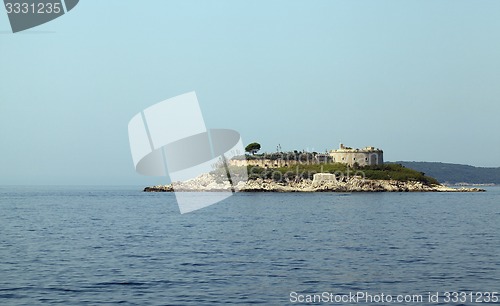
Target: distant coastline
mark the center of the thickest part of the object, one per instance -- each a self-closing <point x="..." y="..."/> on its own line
<point x="456" y="174"/>
<point x="471" y="184"/>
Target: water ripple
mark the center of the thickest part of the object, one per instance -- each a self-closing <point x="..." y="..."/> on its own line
<point x="104" y="247"/>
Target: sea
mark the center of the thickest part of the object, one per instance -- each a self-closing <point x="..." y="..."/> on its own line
<point x="117" y="245"/>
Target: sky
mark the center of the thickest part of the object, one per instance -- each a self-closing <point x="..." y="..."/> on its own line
<point x="418" y="79"/>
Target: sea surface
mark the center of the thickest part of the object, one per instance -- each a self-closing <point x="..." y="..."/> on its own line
<point x="119" y="245"/>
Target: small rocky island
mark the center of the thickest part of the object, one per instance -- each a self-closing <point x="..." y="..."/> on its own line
<point x="208" y="183"/>
<point x="342" y="170"/>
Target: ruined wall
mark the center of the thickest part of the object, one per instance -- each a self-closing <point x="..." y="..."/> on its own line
<point x="345" y="156"/>
<point x="265" y="163"/>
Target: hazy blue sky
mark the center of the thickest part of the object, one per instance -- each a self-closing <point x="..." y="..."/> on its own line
<point x="419" y="79"/>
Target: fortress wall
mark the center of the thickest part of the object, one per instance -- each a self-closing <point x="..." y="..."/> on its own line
<point x="376" y="158"/>
<point x="269" y="163"/>
<point x="362" y="158"/>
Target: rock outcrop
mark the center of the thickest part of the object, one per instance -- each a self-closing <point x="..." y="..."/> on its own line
<point x="210" y="183"/>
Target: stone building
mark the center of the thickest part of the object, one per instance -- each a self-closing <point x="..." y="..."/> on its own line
<point x="364" y="157"/>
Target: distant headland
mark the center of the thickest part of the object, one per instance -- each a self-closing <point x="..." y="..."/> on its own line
<point x="456" y="174"/>
<point x="342" y="170"/>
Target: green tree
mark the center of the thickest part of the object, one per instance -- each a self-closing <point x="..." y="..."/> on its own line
<point x="253" y="148"/>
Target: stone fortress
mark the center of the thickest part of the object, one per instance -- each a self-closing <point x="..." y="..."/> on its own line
<point x="363" y="157"/>
<point x="345" y="155"/>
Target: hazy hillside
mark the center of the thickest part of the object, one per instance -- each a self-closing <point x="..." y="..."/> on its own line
<point x="454" y="173"/>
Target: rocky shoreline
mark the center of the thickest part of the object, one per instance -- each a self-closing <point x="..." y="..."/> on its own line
<point x="209" y="183"/>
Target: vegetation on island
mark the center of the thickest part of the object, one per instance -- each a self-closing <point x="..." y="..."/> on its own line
<point x="296" y="165"/>
<point x="306" y="171"/>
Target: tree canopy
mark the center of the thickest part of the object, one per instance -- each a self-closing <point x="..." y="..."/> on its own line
<point x="253" y="148"/>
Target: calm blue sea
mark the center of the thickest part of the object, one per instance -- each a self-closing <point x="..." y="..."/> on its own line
<point x="118" y="245"/>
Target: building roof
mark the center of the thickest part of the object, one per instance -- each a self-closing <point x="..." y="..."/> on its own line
<point x="344" y="149"/>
